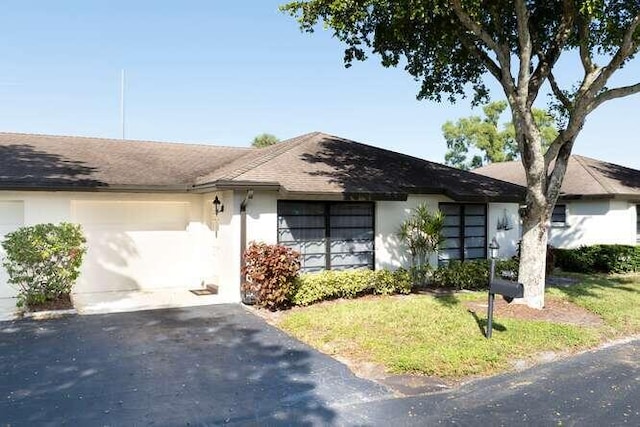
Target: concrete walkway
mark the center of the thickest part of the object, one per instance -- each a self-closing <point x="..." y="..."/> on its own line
<point x="125" y="301"/>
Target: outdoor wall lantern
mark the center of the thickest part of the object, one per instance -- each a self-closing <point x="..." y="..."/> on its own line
<point x="494" y="247"/>
<point x="218" y="207"/>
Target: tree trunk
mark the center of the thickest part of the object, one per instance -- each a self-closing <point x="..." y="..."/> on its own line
<point x="533" y="251"/>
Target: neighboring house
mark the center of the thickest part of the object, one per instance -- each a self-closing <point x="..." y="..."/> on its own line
<point x="598" y="202"/>
<point x="148" y="210"/>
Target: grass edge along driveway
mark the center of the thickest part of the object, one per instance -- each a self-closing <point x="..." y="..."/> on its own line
<point x="438" y="336"/>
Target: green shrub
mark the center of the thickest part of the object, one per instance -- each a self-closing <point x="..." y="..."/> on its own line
<point x="599" y="258"/>
<point x="43" y="261"/>
<point x="471" y="275"/>
<point x="270" y="271"/>
<point x="617" y="258"/>
<point x="387" y="282"/>
<point x="462" y="275"/>
<point x="421" y="276"/>
<point x="314" y="287"/>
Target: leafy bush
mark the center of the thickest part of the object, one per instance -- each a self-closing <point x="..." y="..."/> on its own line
<point x="387" y="282"/>
<point x="462" y="275"/>
<point x="43" y="261"/>
<point x="315" y="287"/>
<point x="599" y="258"/>
<point x="471" y="275"/>
<point x="270" y="271"/>
<point x="421" y="276"/>
<point x="580" y="260"/>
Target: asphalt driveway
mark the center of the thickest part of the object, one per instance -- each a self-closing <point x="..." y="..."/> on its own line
<point x="221" y="365"/>
<point x="195" y="366"/>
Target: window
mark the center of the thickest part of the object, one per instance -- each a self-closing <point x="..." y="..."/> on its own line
<point x="465" y="232"/>
<point x="328" y="235"/>
<point x="559" y="216"/>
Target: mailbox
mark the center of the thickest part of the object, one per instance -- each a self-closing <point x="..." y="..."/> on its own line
<point x="508" y="289"/>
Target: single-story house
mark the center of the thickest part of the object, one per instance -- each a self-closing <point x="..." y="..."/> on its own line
<point x="599" y="202"/>
<point x="148" y="211"/>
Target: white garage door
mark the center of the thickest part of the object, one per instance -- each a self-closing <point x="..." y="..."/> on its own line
<point x="136" y="246"/>
<point x="11" y="218"/>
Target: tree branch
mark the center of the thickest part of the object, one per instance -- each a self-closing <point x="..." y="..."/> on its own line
<point x="566" y="102"/>
<point x="501" y="51"/>
<point x="584" y="34"/>
<point x="553" y="150"/>
<point x="610" y="94"/>
<point x="548" y="59"/>
<point x="524" y="44"/>
<point x="627" y="47"/>
<point x="493" y="68"/>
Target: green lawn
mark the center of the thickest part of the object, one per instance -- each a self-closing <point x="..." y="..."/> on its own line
<point x="615" y="298"/>
<point x="439" y="336"/>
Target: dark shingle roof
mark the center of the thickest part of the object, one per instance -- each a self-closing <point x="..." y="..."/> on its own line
<point x="315" y="163"/>
<point x="585" y="177"/>
<point x="42" y="161"/>
<point x="319" y="163"/>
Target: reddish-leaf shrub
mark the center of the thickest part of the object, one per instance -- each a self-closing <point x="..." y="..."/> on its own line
<point x="269" y="273"/>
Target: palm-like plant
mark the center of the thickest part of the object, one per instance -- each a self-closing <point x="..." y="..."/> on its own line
<point x="422" y="234"/>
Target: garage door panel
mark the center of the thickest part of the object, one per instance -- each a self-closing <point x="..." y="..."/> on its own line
<point x="133" y="215"/>
<point x="137" y="246"/>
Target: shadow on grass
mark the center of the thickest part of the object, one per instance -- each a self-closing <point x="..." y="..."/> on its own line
<point x="448" y="300"/>
<point x="590" y="284"/>
<point x="482" y="324"/>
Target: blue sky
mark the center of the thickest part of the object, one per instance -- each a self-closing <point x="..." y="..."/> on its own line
<point x="221" y="72"/>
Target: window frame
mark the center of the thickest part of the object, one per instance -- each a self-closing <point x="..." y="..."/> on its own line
<point x="562" y="223"/>
<point x="461" y="233"/>
<point x="327" y="227"/>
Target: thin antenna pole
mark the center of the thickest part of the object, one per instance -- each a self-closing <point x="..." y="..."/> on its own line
<point x="122" y="81"/>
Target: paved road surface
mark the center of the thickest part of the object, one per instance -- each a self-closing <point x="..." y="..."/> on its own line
<point x="221" y="365"/>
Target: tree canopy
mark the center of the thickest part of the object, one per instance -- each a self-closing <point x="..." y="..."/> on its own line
<point x="264" y="140"/>
<point x="487" y="141"/>
<point x="451" y="46"/>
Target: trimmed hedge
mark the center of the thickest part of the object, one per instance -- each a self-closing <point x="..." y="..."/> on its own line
<point x="310" y="288"/>
<point x="471" y="275"/>
<point x="599" y="259"/>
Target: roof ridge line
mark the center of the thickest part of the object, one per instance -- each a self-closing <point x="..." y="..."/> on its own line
<point x="593" y="175"/>
<point x="260" y="160"/>
<point x="99" y="138"/>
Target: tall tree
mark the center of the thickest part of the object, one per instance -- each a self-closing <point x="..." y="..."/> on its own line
<point x="264" y="140"/>
<point x="451" y="45"/>
<point x="485" y="138"/>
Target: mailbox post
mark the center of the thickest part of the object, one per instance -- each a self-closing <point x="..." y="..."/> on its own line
<point x="508" y="289"/>
<point x="494" y="247"/>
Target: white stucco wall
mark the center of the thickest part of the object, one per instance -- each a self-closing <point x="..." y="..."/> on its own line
<point x="225" y="243"/>
<point x="262" y="217"/>
<point x="390" y="252"/>
<point x="596" y="222"/>
<point x="504" y="214"/>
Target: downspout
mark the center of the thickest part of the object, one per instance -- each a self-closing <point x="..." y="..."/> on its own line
<point x="243" y="235"/>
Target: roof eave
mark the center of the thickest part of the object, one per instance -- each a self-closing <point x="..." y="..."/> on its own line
<point x="236" y="185"/>
<point x="119" y="188"/>
<point x="344" y="196"/>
